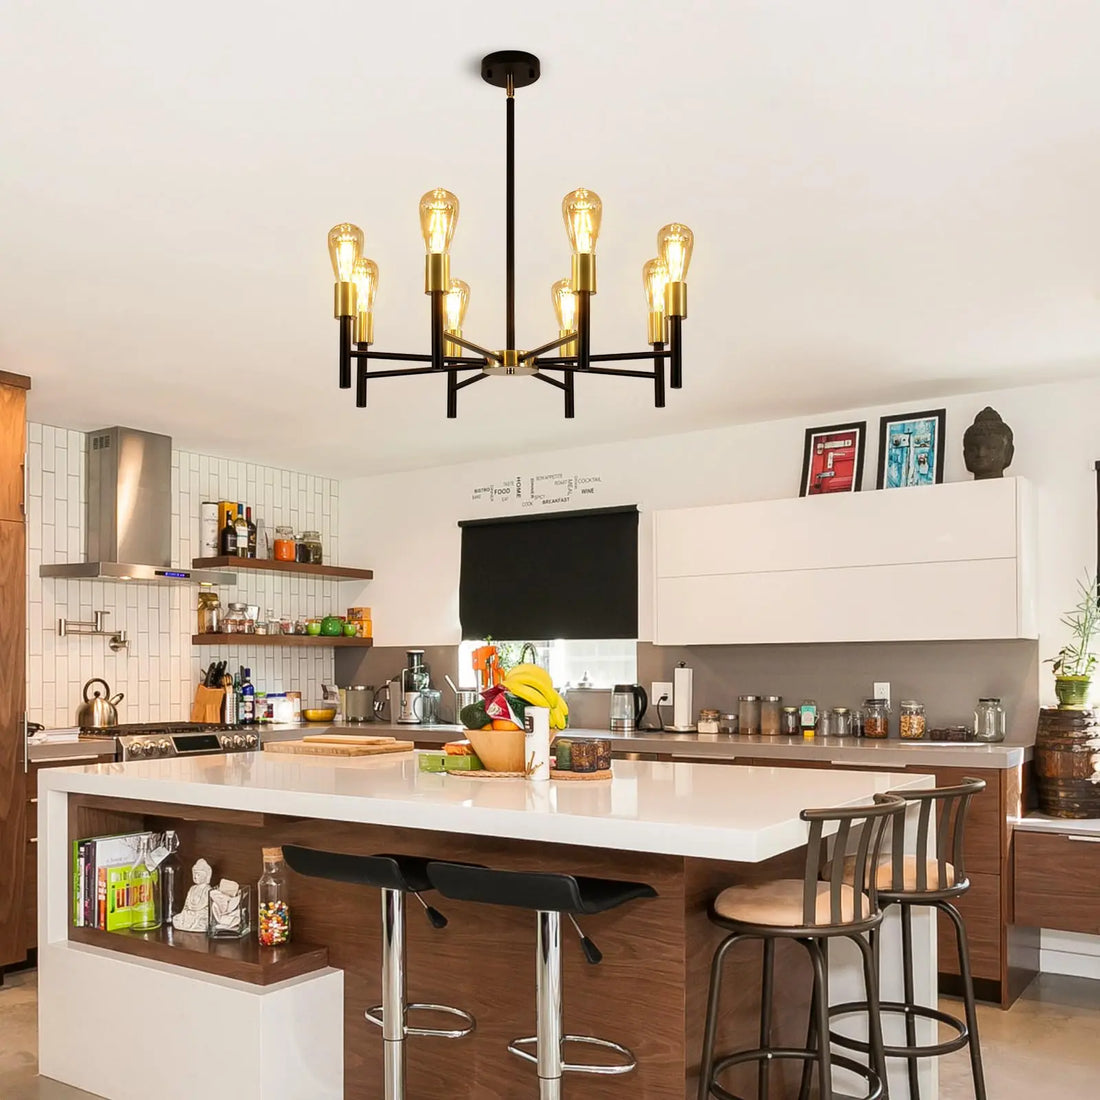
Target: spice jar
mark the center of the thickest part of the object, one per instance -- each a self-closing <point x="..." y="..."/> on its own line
<point x="708" y="721"/>
<point x="912" y="722"/>
<point x="989" y="720"/>
<point x="876" y="718"/>
<point x="284" y="544"/>
<point x="585" y="756"/>
<point x="748" y="714"/>
<point x="309" y="548"/>
<point x="209" y="612"/>
<point x="842" y="722"/>
<point x="788" y="721"/>
<point x="771" y="707"/>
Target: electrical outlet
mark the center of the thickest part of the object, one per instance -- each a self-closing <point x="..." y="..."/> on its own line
<point x="882" y="691"/>
<point x="661" y="688"/>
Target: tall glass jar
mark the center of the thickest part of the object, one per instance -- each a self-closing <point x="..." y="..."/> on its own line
<point x="771" y="709"/>
<point x="314" y="554"/>
<point x="284" y="544"/>
<point x="209" y="613"/>
<point x="911" y="722"/>
<point x="825" y="722"/>
<point x="748" y="714"/>
<point x="145" y="890"/>
<point x="788" y="721"/>
<point x="842" y="722"/>
<point x="273" y="910"/>
<point x="876" y="719"/>
<point x="989" y="720"/>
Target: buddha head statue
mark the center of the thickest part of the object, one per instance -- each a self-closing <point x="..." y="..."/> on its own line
<point x="987" y="445"/>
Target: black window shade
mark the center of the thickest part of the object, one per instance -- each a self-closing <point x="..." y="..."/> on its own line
<point x="556" y="575"/>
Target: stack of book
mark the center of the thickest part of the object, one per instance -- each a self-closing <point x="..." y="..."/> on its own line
<point x="101" y="880"/>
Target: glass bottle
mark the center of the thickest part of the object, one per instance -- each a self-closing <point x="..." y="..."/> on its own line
<point x="989" y="720"/>
<point x="271" y="900"/>
<point x="227" y="538"/>
<point x="209" y="612"/>
<point x="145" y="890"/>
<point x="252" y="535"/>
<point x="807" y="717"/>
<point x="242" y="533"/>
<point x="172" y="890"/>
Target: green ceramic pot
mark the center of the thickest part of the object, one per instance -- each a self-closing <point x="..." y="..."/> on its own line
<point x="332" y="626"/>
<point x="1072" y="691"/>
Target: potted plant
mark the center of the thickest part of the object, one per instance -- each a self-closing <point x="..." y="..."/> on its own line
<point x="1074" y="664"/>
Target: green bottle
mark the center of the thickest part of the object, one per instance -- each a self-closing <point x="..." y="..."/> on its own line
<point x="145" y="890"/>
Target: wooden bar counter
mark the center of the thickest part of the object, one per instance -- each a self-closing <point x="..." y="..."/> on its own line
<point x="689" y="830"/>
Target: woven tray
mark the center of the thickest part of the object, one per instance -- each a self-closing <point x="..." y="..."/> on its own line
<point x="484" y="773"/>
<point x="583" y="777"/>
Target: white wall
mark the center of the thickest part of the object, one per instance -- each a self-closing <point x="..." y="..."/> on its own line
<point x="415" y="597"/>
<point x="160" y="669"/>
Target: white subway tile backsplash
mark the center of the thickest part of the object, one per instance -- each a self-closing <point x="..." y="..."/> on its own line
<point x="161" y="668"/>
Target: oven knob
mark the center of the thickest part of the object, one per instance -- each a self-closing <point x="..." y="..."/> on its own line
<point x="251" y="740"/>
<point x="238" y="741"/>
<point x="164" y="746"/>
<point x="225" y="741"/>
<point x="137" y="749"/>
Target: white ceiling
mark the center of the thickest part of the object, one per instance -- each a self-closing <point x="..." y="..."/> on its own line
<point x="890" y="201"/>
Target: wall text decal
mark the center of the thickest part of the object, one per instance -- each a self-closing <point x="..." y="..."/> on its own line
<point x="538" y="491"/>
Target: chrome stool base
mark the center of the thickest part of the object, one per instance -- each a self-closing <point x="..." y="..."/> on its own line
<point x="375" y="1015"/>
<point x="516" y="1047"/>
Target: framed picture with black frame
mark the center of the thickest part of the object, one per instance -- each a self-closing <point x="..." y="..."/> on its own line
<point x="832" y="459"/>
<point x="911" y="449"/>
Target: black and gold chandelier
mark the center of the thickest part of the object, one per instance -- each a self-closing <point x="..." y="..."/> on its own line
<point x="556" y="362"/>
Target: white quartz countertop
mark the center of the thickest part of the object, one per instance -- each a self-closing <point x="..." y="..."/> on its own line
<point x="1072" y="826"/>
<point x="700" y="810"/>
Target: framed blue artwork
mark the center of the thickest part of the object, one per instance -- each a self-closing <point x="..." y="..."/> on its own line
<point x="910" y="449"/>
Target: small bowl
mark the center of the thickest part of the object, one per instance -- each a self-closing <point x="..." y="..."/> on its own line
<point x="350" y="630"/>
<point x="319" y="714"/>
<point x="313" y="627"/>
<point x="498" y="750"/>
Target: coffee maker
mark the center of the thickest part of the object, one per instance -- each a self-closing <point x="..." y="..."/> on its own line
<point x="407" y="706"/>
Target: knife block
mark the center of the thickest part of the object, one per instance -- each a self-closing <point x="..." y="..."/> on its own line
<point x="208" y="705"/>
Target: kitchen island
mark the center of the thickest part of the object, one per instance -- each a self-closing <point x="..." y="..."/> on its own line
<point x="687" y="829"/>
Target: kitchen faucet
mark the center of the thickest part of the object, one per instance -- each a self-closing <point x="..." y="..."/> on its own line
<point x="523" y="653"/>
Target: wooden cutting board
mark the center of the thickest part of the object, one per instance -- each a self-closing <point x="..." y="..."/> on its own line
<point x="313" y="748"/>
<point x="347" y="739"/>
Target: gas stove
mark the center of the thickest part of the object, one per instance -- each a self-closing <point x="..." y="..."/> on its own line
<point x="161" y="740"/>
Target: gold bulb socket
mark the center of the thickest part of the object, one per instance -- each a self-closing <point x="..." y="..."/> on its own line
<point x="437" y="271"/>
<point x="344" y="300"/>
<point x="450" y="348"/>
<point x="568" y="350"/>
<point x="656" y="328"/>
<point x="509" y="357"/>
<point x="364" y="329"/>
<point x="676" y="299"/>
<point x="583" y="272"/>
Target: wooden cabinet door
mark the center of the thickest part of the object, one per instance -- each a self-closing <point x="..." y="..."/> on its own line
<point x="12" y="739"/>
<point x="13" y="443"/>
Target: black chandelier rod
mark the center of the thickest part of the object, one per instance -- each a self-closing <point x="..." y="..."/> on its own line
<point x="510" y="214"/>
<point x="610" y="357"/>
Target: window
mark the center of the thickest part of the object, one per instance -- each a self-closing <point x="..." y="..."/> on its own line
<point x="604" y="662"/>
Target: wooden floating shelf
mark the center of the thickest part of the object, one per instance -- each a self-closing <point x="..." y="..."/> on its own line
<point x="335" y="572"/>
<point x="317" y="641"/>
<point x="244" y="959"/>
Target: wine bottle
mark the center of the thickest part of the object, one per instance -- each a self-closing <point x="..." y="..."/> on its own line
<point x="251" y="533"/>
<point x="227" y="539"/>
<point x="242" y="533"/>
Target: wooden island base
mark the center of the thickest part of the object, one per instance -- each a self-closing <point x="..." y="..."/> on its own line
<point x="649" y="993"/>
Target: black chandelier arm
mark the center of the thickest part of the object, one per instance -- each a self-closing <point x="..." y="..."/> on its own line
<point x="550" y="381"/>
<point x="658" y="376"/>
<point x="469" y="345"/>
<point x="471" y="380"/>
<point x="458" y="362"/>
<point x="345" y="351"/>
<point x="534" y="353"/>
<point x="675" y="339"/>
<point x="560" y="362"/>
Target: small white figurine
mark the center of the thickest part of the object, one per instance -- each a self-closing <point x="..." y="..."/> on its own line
<point x="225" y="906"/>
<point x="193" y="916"/>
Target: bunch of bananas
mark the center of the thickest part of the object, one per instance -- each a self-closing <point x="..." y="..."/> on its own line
<point x="533" y="685"/>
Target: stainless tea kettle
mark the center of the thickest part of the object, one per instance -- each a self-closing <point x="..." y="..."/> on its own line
<point x="100" y="711"/>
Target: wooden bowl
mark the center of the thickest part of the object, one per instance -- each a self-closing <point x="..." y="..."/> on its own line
<point x="498" y="750"/>
<point x="319" y="714"/>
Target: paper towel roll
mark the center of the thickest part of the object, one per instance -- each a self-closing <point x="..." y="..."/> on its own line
<point x="536" y="744"/>
<point x="682" y="708"/>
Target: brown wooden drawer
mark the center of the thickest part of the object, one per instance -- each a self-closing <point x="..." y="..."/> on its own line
<point x="985" y="826"/>
<point x="981" y="909"/>
<point x="1058" y="881"/>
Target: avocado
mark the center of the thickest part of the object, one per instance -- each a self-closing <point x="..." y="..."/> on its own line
<point x="473" y="716"/>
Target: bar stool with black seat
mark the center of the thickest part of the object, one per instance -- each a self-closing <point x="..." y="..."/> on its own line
<point x="933" y="875"/>
<point x="549" y="895"/>
<point x="810" y="912"/>
<point x="395" y="876"/>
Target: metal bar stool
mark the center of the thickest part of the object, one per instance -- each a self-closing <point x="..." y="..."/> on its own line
<point x="395" y="876"/>
<point x="933" y="875"/>
<point x="550" y="895"/>
<point x="810" y="912"/>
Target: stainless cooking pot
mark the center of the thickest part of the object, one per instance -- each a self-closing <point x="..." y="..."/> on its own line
<point x="358" y="703"/>
<point x="98" y="712"/>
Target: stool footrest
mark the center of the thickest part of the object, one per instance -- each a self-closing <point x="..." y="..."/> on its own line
<point x="796" y="1053"/>
<point x="516" y="1047"/>
<point x="931" y="1050"/>
<point x="374" y="1015"/>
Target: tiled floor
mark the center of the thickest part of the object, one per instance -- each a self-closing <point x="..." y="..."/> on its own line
<point x="1049" y="1042"/>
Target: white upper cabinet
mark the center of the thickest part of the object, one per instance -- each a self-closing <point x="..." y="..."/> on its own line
<point x="941" y="562"/>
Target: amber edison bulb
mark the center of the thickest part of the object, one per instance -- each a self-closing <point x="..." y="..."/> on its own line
<point x="456" y="300"/>
<point x="438" y="218"/>
<point x="365" y="277"/>
<point x="582" y="211"/>
<point x="674" y="245"/>
<point x="565" y="305"/>
<point x="654" y="281"/>
<point x="345" y="246"/>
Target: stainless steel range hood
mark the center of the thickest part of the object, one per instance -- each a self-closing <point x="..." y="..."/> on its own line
<point x="128" y="516"/>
